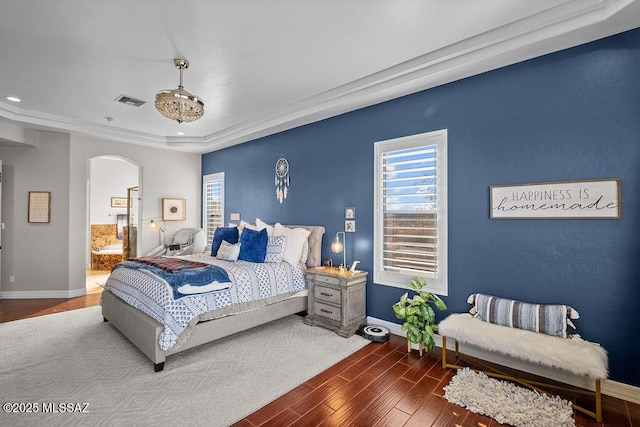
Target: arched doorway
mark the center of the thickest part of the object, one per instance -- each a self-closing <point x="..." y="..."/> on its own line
<point x="112" y="216"/>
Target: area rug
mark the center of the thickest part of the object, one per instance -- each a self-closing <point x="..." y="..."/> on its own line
<point x="507" y="403"/>
<point x="82" y="371"/>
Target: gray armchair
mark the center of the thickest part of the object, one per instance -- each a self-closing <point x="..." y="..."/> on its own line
<point x="185" y="241"/>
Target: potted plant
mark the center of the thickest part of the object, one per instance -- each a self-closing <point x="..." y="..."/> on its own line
<point x="419" y="317"/>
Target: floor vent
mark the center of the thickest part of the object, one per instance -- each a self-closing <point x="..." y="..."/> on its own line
<point x="127" y="100"/>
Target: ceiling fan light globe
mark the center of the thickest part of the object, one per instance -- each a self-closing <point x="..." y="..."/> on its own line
<point x="178" y="104"/>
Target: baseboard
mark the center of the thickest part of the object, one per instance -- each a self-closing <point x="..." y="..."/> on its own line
<point x="43" y="294"/>
<point x="610" y="388"/>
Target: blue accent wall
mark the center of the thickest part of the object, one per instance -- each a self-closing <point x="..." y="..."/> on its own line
<point x="570" y="115"/>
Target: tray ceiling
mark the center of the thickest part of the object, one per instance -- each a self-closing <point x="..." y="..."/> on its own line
<point x="262" y="66"/>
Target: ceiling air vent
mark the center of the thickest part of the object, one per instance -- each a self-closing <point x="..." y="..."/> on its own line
<point x="127" y="100"/>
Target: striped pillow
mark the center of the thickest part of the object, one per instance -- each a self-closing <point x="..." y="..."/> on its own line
<point x="275" y="249"/>
<point x="547" y="319"/>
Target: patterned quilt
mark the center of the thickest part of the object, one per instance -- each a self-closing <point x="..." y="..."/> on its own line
<point x="151" y="294"/>
<point x="184" y="277"/>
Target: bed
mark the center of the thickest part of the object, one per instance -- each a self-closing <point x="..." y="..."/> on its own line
<point x="218" y="313"/>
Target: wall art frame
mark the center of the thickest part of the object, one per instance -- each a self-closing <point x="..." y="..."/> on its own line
<point x="119" y="202"/>
<point x="576" y="199"/>
<point x="174" y="209"/>
<point x="39" y="207"/>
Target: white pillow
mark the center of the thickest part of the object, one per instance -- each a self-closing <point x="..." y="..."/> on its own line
<point x="262" y="225"/>
<point x="182" y="237"/>
<point x="296" y="238"/>
<point x="305" y="252"/>
<point x="228" y="251"/>
<point x="244" y="224"/>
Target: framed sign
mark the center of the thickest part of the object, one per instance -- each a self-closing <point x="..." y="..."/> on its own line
<point x="118" y="202"/>
<point x="174" y="209"/>
<point x="39" y="208"/>
<point x="586" y="199"/>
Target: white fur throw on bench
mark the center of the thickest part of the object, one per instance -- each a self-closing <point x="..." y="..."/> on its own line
<point x="574" y="355"/>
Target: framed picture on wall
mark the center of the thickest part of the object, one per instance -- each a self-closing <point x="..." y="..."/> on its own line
<point x="174" y="209"/>
<point x="350" y="226"/>
<point x="118" y="202"/>
<point x="39" y="207"/>
<point x="577" y="199"/>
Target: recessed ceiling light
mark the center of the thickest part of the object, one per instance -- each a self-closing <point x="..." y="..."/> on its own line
<point x="12" y="98"/>
<point x="180" y="133"/>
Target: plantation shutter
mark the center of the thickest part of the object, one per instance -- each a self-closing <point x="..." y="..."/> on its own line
<point x="213" y="215"/>
<point x="409" y="191"/>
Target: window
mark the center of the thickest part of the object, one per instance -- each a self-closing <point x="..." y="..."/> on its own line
<point x="213" y="205"/>
<point x="410" y="220"/>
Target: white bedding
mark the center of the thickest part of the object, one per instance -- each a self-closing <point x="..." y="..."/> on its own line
<point x="250" y="282"/>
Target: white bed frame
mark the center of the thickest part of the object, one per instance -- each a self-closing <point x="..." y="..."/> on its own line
<point x="144" y="331"/>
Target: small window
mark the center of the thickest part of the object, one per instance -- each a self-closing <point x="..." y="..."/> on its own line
<point x="213" y="205"/>
<point x="410" y="236"/>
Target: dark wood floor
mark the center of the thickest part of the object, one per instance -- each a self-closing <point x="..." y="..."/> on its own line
<point x="383" y="385"/>
<point x="15" y="309"/>
<point x="379" y="385"/>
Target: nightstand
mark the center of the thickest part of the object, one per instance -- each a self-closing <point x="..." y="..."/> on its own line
<point x="337" y="299"/>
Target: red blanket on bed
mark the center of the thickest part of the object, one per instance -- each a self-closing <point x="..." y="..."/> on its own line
<point x="169" y="264"/>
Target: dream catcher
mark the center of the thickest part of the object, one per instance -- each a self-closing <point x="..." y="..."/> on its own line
<point x="282" y="179"/>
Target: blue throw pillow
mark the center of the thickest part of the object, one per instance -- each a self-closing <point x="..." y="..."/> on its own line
<point x="253" y="245"/>
<point x="228" y="234"/>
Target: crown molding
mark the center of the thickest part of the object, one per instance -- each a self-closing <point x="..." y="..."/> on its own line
<point x="51" y="123"/>
<point x="572" y="23"/>
<point x="565" y="26"/>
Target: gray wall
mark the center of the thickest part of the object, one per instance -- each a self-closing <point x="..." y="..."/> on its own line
<point x="50" y="259"/>
<point x="36" y="254"/>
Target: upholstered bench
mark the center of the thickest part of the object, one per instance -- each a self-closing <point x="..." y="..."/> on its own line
<point x="572" y="355"/>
